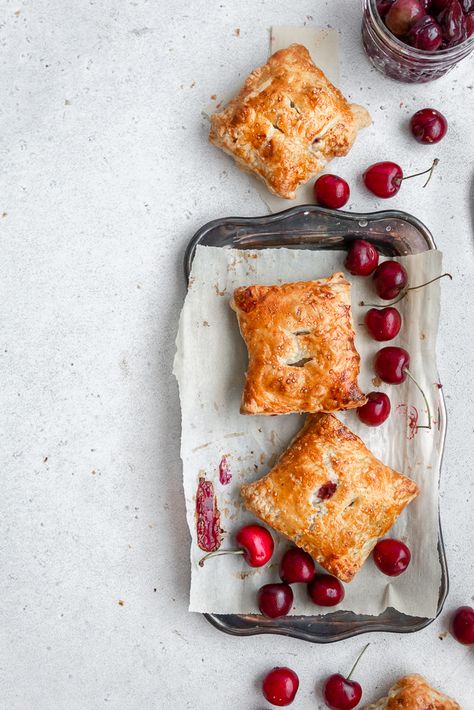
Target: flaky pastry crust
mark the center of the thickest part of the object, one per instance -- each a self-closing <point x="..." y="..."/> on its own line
<point x="330" y="496"/>
<point x="412" y="692"/>
<point x="300" y="341"/>
<point x="287" y="122"/>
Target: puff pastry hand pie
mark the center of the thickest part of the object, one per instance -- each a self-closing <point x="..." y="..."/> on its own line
<point x="287" y="122"/>
<point x="413" y="693"/>
<point x="330" y="496"/>
<point x="300" y="341"/>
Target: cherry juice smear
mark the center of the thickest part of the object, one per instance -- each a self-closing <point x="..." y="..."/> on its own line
<point x="225" y="475"/>
<point x="208" y="517"/>
<point x="411" y="414"/>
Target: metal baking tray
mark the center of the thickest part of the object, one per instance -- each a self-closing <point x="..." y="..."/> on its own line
<point x="394" y="233"/>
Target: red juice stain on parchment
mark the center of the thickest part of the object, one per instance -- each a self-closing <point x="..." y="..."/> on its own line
<point x="411" y="414"/>
<point x="207" y="517"/>
<point x="225" y="475"/>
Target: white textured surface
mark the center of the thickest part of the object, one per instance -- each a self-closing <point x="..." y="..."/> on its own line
<point x="106" y="174"/>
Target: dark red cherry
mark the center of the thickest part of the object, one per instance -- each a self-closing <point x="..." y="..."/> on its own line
<point x="383" y="323"/>
<point x="426" y="34"/>
<point x="402" y="15"/>
<point x="469" y="22"/>
<point x="275" y="600"/>
<point x="390" y="278"/>
<point x="383" y="6"/>
<point x="326" y="590"/>
<point x="462" y="625"/>
<point x="438" y="6"/>
<point x="376" y="410"/>
<point x="391" y="364"/>
<point x="362" y="258"/>
<point x="427" y="5"/>
<point x="297" y="566"/>
<point x="280" y="686"/>
<point x="392" y="557"/>
<point x="452" y="23"/>
<point x="331" y="191"/>
<point x="341" y="693"/>
<point x="428" y="125"/>
<point x="383" y="179"/>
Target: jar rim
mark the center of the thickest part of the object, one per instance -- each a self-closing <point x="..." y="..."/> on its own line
<point x="412" y="52"/>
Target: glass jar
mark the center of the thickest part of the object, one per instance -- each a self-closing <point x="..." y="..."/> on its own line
<point x="398" y="60"/>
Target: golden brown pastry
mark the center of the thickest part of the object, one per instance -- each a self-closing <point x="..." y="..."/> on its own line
<point x="413" y="693"/>
<point x="300" y="341"/>
<point x="330" y="496"/>
<point x="287" y="122"/>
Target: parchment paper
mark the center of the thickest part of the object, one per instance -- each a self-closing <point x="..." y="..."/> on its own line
<point x="210" y="364"/>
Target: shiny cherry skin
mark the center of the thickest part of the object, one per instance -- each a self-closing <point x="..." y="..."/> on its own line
<point x="326" y="590"/>
<point x="376" y="410"/>
<point x="383" y="179"/>
<point x="257" y="544"/>
<point x="297" y="567"/>
<point x="426" y="34"/>
<point x="462" y="625"/>
<point x="390" y="278"/>
<point x="340" y="693"/>
<point x="452" y="23"/>
<point x="428" y="126"/>
<point x="390" y="364"/>
<point x="331" y="191"/>
<point x="383" y="323"/>
<point x="467" y="6"/>
<point x="469" y="22"/>
<point x="362" y="258"/>
<point x="392" y="557"/>
<point x="275" y="600"/>
<point x="280" y="686"/>
<point x="438" y="6"/>
<point x="402" y="16"/>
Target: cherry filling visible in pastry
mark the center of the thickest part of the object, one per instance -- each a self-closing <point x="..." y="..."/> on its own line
<point x="327" y="490"/>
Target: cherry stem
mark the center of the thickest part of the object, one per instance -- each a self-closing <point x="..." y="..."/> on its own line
<point x="219" y="552"/>
<point x="403" y="293"/>
<point x="430" y="171"/>
<point x="407" y="372"/>
<point x="357" y="661"/>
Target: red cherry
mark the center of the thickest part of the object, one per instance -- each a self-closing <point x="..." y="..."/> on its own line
<point x="452" y="23"/>
<point x="255" y="543"/>
<point x="402" y="15"/>
<point x="376" y="410"/>
<point x="331" y="191"/>
<point x="383" y="179"/>
<point x="391" y="364"/>
<point x="326" y="590"/>
<point x="280" y="686"/>
<point x="343" y="693"/>
<point x="469" y="22"/>
<point x="438" y="6"/>
<point x="426" y="34"/>
<point x="340" y="693"/>
<point x="275" y="600"/>
<point x="428" y="125"/>
<point x="362" y="258"/>
<point x="390" y="279"/>
<point x="297" y="566"/>
<point x="383" y="6"/>
<point x="467" y="6"/>
<point x="383" y="323"/>
<point x="427" y="5"/>
<point x="462" y="625"/>
<point x="392" y="557"/>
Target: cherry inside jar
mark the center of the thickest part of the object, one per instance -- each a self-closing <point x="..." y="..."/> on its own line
<point x="397" y="59"/>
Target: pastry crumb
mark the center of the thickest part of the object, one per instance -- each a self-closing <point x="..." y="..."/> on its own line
<point x="443" y="635"/>
<point x="213" y="97"/>
<point x="376" y="381"/>
<point x="121" y="602"/>
<point x="237" y="32"/>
